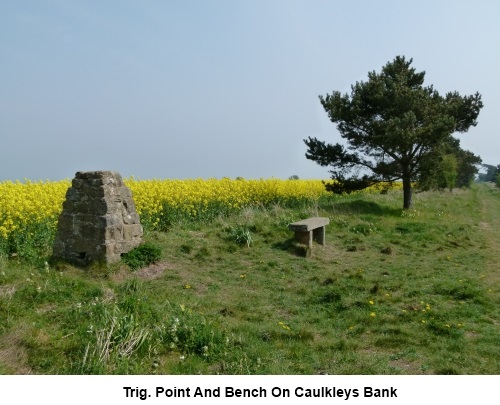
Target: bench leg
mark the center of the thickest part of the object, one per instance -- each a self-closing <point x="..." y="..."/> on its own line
<point x="305" y="238"/>
<point x="319" y="235"/>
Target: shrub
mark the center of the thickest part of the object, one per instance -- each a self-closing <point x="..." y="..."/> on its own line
<point x="143" y="255"/>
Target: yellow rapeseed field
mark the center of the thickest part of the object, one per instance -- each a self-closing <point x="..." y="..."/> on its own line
<point x="28" y="202"/>
<point x="23" y="204"/>
<point x="194" y="197"/>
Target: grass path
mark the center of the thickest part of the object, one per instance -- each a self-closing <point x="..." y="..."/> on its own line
<point x="489" y="197"/>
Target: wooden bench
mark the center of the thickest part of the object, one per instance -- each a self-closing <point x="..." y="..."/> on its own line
<point x="310" y="229"/>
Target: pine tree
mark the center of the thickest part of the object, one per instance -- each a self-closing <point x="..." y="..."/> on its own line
<point x="391" y="124"/>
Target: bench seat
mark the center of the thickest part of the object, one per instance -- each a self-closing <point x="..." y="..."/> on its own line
<point x="310" y="229"/>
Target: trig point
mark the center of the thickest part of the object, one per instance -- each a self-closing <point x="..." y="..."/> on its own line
<point x="98" y="221"/>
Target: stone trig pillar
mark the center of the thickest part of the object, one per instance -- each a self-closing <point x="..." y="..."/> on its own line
<point x="99" y="221"/>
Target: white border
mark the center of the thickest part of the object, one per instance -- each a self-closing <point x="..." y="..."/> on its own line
<point x="109" y="390"/>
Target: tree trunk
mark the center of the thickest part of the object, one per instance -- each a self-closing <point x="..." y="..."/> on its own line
<point x="407" y="200"/>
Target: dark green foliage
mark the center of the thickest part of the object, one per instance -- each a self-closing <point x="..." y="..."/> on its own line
<point x="437" y="167"/>
<point x="143" y="255"/>
<point x="467" y="167"/>
<point x="491" y="173"/>
<point x="392" y="124"/>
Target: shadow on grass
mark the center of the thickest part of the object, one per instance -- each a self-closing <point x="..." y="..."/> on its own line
<point x="364" y="207"/>
<point x="292" y="246"/>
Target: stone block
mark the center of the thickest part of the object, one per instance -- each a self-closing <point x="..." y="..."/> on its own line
<point x="99" y="221"/>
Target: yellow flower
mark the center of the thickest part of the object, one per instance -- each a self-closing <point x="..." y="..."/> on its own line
<point x="23" y="204"/>
<point x="284" y="325"/>
<point x="373" y="314"/>
<point x="371" y="302"/>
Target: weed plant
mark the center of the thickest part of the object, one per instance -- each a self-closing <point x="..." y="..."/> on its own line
<point x="142" y="255"/>
<point x="241" y="235"/>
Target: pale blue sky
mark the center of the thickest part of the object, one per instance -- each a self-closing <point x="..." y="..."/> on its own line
<point x="186" y="89"/>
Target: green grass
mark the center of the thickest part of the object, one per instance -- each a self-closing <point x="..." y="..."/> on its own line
<point x="390" y="293"/>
